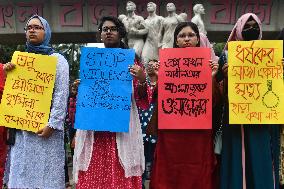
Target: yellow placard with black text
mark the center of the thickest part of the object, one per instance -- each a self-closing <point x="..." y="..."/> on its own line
<point x="27" y="94"/>
<point x="255" y="87"/>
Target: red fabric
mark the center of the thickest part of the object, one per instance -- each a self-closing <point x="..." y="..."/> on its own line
<point x="3" y="132"/>
<point x="184" y="159"/>
<point x="105" y="170"/>
<point x="3" y="152"/>
<point x="2" y="80"/>
<point x="72" y="110"/>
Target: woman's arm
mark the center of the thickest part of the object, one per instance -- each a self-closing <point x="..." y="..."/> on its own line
<point x="60" y="95"/>
<point x="59" y="99"/>
<point x="2" y="78"/>
<point x="216" y="91"/>
<point x="142" y="91"/>
<point x="3" y="69"/>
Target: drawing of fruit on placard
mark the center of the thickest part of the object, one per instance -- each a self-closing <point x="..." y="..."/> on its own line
<point x="270" y="98"/>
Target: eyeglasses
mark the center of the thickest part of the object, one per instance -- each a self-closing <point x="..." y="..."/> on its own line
<point x="109" y="29"/>
<point x="184" y="35"/>
<point x="34" y="27"/>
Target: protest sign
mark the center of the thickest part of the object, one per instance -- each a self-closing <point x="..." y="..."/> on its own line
<point x="185" y="89"/>
<point x="28" y="92"/>
<point x="104" y="96"/>
<point x="255" y="82"/>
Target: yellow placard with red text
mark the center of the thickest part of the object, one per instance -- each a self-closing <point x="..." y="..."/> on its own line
<point x="255" y="82"/>
<point x="28" y="92"/>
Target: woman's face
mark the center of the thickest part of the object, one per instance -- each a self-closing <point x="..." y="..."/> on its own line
<point x="251" y="31"/>
<point x="110" y="35"/>
<point x="152" y="67"/>
<point x="251" y="24"/>
<point x="35" y="31"/>
<point x="74" y="91"/>
<point x="187" y="38"/>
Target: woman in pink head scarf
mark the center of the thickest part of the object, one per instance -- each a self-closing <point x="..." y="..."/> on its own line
<point x="250" y="153"/>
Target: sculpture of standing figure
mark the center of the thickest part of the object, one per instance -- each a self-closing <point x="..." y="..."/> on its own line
<point x="168" y="26"/>
<point x="135" y="28"/>
<point x="198" y="10"/>
<point x="153" y="24"/>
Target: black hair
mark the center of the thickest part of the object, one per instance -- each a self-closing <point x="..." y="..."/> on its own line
<point x="121" y="30"/>
<point x="120" y="26"/>
<point x="182" y="25"/>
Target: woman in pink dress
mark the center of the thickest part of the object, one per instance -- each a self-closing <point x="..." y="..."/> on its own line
<point x="107" y="159"/>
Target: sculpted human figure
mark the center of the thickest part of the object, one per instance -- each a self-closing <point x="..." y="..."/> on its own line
<point x="198" y="10"/>
<point x="168" y="26"/>
<point x="135" y="28"/>
<point x="153" y="24"/>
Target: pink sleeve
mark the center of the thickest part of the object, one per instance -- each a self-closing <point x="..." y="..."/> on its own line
<point x="142" y="102"/>
<point x="204" y="42"/>
<point x="2" y="78"/>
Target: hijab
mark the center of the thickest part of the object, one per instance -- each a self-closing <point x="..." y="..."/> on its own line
<point x="236" y="34"/>
<point x="44" y="47"/>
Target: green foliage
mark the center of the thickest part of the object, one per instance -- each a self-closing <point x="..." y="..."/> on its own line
<point x="218" y="48"/>
<point x="6" y="52"/>
<point x="72" y="54"/>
